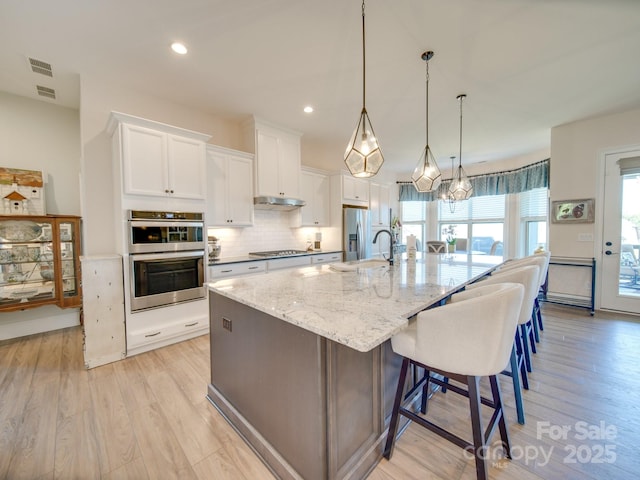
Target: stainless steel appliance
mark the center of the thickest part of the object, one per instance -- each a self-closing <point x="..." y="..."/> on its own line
<point x="355" y="233"/>
<point x="167" y="258"/>
<point x="278" y="253"/>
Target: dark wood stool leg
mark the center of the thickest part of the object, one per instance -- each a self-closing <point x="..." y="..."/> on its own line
<point x="476" y="426"/>
<point x="395" y="415"/>
<point x="502" y="424"/>
<point x="425" y="392"/>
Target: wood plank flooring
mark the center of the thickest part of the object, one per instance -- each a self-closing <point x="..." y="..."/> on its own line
<point x="147" y="416"/>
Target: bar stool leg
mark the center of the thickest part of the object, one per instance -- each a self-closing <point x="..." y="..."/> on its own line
<point x="517" y="388"/>
<point x="395" y="415"/>
<point x="479" y="447"/>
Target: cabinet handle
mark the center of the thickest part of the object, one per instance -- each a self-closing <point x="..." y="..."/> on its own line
<point x="252" y="268"/>
<point x="171" y="191"/>
<point x="226" y="271"/>
<point x="166" y="191"/>
<point x="192" y="324"/>
<point x="153" y="334"/>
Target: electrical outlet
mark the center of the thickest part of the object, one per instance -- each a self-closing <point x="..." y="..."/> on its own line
<point x="226" y="323"/>
<point x="585" y="237"/>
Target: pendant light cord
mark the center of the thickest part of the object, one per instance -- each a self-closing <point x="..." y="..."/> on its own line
<point x="461" y="97"/>
<point x="426" y="109"/>
<point x="363" y="62"/>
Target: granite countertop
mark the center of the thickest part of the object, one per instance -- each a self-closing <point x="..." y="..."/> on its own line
<point x="251" y="258"/>
<point x="361" y="308"/>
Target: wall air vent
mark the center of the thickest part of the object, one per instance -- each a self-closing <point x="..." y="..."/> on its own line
<point x="46" y="92"/>
<point x="38" y="66"/>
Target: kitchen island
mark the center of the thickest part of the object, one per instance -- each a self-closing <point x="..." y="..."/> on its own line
<point x="301" y="362"/>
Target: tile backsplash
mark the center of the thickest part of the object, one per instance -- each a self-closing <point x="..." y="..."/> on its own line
<point x="271" y="231"/>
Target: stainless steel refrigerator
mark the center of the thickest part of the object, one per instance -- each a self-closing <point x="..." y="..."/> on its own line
<point x="355" y="233"/>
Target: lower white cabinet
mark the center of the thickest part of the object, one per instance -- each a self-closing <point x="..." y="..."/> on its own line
<point x="288" y="262"/>
<point x="327" y="258"/>
<point x="226" y="270"/>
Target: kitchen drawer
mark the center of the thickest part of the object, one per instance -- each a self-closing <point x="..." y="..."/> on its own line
<point x="327" y="258"/>
<point x="226" y="270"/>
<point x="289" y="262"/>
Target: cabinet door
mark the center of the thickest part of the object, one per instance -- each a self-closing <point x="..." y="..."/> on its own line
<point x="379" y="204"/>
<point x="240" y="191"/>
<point x="316" y="190"/>
<point x="267" y="164"/>
<point x="217" y="189"/>
<point x="289" y="166"/>
<point x="186" y="167"/>
<point x="355" y="189"/>
<point x="144" y="161"/>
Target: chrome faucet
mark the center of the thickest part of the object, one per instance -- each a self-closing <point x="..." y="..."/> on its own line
<point x="390" y="259"/>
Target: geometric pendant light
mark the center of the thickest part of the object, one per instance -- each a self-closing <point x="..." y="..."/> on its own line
<point x="460" y="187"/>
<point x="426" y="177"/>
<point x="363" y="156"/>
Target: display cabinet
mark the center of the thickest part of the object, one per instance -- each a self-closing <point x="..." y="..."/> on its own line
<point x="39" y="262"/>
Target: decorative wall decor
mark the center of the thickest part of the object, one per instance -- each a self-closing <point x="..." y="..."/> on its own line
<point x="572" y="211"/>
<point x="21" y="192"/>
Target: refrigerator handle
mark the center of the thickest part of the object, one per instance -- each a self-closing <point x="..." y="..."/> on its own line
<point x="360" y="250"/>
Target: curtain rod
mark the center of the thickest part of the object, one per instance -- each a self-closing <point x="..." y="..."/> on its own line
<point x="503" y="172"/>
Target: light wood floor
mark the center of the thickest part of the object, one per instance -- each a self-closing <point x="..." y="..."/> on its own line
<point x="147" y="416"/>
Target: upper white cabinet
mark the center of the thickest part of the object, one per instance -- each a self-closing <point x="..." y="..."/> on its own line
<point x="229" y="187"/>
<point x="158" y="159"/>
<point x="277" y="159"/>
<point x="316" y="193"/>
<point x="355" y="190"/>
<point x="379" y="201"/>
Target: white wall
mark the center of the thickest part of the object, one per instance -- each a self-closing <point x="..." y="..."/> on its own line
<point x="37" y="135"/>
<point x="576" y="153"/>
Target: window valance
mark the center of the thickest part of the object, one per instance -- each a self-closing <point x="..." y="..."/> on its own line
<point x="498" y="183"/>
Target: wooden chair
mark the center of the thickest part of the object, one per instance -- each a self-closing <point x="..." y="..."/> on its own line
<point x="436" y="246"/>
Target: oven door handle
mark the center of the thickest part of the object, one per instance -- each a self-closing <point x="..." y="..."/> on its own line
<point x="165" y="256"/>
<point x="169" y="223"/>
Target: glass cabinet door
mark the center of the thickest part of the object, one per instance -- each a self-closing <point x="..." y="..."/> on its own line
<point x="39" y="262"/>
<point x="27" y="262"/>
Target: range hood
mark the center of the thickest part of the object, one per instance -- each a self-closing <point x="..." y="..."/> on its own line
<point x="277" y="203"/>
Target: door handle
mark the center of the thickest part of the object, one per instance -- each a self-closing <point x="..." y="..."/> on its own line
<point x="609" y="252"/>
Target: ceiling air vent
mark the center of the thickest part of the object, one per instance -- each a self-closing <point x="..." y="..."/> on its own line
<point x="38" y="66"/>
<point x="46" y="92"/>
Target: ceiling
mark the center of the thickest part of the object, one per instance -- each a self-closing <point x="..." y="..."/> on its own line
<point x="525" y="65"/>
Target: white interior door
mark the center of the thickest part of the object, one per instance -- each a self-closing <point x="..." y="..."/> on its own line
<point x="620" y="260"/>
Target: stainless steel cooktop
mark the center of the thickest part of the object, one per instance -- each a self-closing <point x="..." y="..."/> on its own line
<point x="277" y="253"/>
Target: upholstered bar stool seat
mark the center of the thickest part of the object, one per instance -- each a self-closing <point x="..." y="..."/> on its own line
<point x="527" y="276"/>
<point x="542" y="262"/>
<point x="464" y="340"/>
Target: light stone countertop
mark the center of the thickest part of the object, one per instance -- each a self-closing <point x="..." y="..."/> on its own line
<point x="362" y="308"/>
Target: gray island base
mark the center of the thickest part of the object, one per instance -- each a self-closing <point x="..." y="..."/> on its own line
<point x="299" y="374"/>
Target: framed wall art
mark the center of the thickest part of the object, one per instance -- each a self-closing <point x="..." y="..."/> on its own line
<point x="572" y="211"/>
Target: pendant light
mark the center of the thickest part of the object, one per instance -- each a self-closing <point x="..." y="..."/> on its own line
<point x="363" y="156"/>
<point x="426" y="176"/>
<point x="460" y="187"/>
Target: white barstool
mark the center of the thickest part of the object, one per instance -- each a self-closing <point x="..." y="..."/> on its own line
<point x="540" y="261"/>
<point x="464" y="340"/>
<point x="527" y="276"/>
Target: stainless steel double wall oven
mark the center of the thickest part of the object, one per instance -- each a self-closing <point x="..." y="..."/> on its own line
<point x="167" y="252"/>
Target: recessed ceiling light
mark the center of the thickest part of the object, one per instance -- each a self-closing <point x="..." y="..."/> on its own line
<point x="308" y="109"/>
<point x="179" y="48"/>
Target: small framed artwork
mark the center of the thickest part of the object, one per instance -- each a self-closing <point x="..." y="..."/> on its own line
<point x="572" y="211"/>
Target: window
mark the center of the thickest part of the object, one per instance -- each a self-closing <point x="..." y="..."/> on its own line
<point x="414" y="215"/>
<point x="533" y="220"/>
<point x="478" y="224"/>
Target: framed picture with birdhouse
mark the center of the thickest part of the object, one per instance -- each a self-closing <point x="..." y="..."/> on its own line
<point x="572" y="211"/>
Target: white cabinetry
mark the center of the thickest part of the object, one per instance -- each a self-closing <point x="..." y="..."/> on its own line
<point x="355" y="190"/>
<point x="277" y="159"/>
<point x="229" y="187"/>
<point x="327" y="258"/>
<point x="159" y="160"/>
<point x="227" y="270"/>
<point x="379" y="200"/>
<point x="288" y="262"/>
<point x="315" y="192"/>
